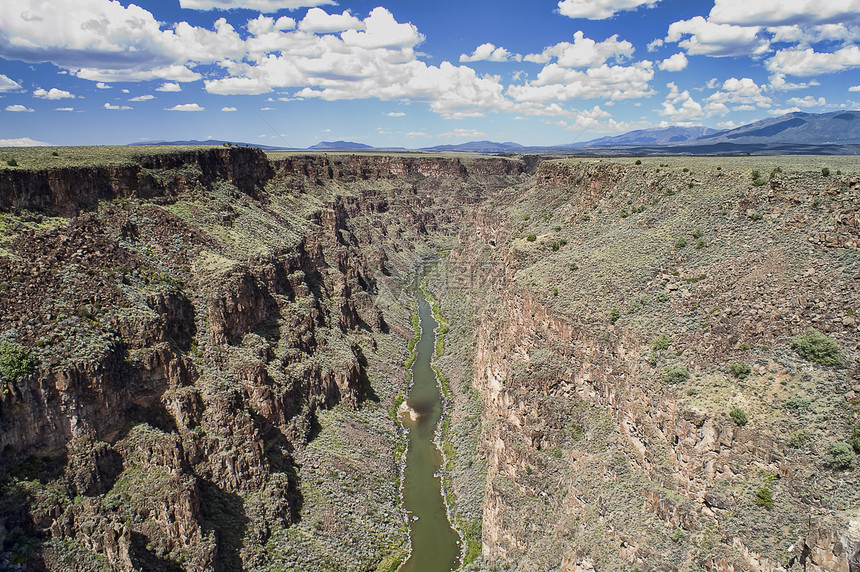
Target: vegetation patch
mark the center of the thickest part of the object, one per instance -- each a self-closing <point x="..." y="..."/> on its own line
<point x="816" y="347"/>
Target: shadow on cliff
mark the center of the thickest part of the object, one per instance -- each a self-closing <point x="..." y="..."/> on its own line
<point x="224" y="513"/>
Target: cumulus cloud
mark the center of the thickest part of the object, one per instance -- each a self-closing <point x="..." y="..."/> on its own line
<point x="784" y="12"/>
<point x="744" y="91"/>
<point x="674" y="63"/>
<point x="490" y="53"/>
<point x="8" y="84"/>
<point x="808" y="62"/>
<point x="778" y="82"/>
<point x="807" y="101"/>
<point x="64" y="109"/>
<point x="318" y="20"/>
<point x="267" y="6"/>
<point x="102" y="85"/>
<point x="169" y="86"/>
<point x="228" y="109"/>
<point x="854" y="88"/>
<point x="116" y="107"/>
<point x="680" y="106"/>
<point x="22" y="142"/>
<point x="584" y="52"/>
<point x="185" y="107"/>
<point x="396" y="114"/>
<point x="599" y="9"/>
<point x="701" y="37"/>
<point x="784" y="111"/>
<point x="19" y="109"/>
<point x="461" y="133"/>
<point x="556" y="83"/>
<point x="53" y="93"/>
<point x="142" y="98"/>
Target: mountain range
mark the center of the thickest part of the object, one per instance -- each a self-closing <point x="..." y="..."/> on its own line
<point x="835" y="133"/>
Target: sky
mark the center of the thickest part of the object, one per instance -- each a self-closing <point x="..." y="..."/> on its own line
<point x="414" y="73"/>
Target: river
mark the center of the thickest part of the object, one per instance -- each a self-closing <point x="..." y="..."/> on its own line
<point x="435" y="545"/>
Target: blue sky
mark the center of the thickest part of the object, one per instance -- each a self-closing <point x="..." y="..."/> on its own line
<point x="414" y="73"/>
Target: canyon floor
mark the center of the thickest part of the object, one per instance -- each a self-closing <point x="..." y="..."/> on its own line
<point x="647" y="364"/>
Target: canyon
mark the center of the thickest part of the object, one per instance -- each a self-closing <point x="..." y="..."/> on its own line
<point x="203" y="354"/>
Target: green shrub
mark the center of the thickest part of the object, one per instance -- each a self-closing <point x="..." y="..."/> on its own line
<point x="15" y="361"/>
<point x="841" y="457"/>
<point x="573" y="266"/>
<point x="12" y="163"/>
<point x="638" y="161"/>
<point x="816" y="347"/>
<point x="54" y="154"/>
<point x="677" y="535"/>
<point x="825" y="172"/>
<point x="661" y="342"/>
<point x="796" y="403"/>
<point x="764" y="497"/>
<point x="614" y="314"/>
<point x="740" y="370"/>
<point x="527" y="217"/>
<point x="799" y="438"/>
<point x="531" y="237"/>
<point x="756" y="216"/>
<point x="662" y="297"/>
<point x="675" y="375"/>
<point x="556" y="228"/>
<point x="586" y="217"/>
<point x="697" y="233"/>
<point x="681" y="242"/>
<point x="756" y="174"/>
<point x="854" y="441"/>
<point x="759" y="182"/>
<point x="775" y="171"/>
<point x="555" y="246"/>
<point x="700" y="244"/>
<point x="739" y="416"/>
<point x="624" y="214"/>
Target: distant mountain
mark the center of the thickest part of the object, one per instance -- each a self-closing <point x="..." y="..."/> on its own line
<point x="209" y="142"/>
<point x="838" y="127"/>
<point x="656" y="136"/>
<point x="340" y="146"/>
<point x="479" y="147"/>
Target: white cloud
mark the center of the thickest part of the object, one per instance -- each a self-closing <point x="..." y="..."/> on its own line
<point x="701" y="37"/>
<point x="784" y="111"/>
<point x="396" y="114"/>
<point x="19" y="109"/>
<point x="584" y="52"/>
<point x="116" y="107"/>
<point x="142" y="98"/>
<point x="185" y="107"/>
<point x="267" y="109"/>
<point x="784" y="12"/>
<point x="461" y="133"/>
<point x="744" y="91"/>
<point x="807" y="101"/>
<point x="22" y="142"/>
<point x="169" y="86"/>
<point x="556" y="83"/>
<point x="419" y="134"/>
<point x="267" y="6"/>
<point x="64" y="109"/>
<point x="656" y="45"/>
<point x="674" y="63"/>
<point x="54" y="93"/>
<point x="599" y="9"/>
<point x="102" y="85"/>
<point x="680" y="106"/>
<point x="489" y="52"/>
<point x="777" y="82"/>
<point x="383" y="31"/>
<point x="808" y="62"/>
<point x="8" y="84"/>
<point x="717" y="109"/>
<point x="318" y="20"/>
<point x="228" y="109"/>
<point x="854" y="88"/>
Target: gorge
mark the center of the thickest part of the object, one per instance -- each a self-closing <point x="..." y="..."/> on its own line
<point x="204" y="354"/>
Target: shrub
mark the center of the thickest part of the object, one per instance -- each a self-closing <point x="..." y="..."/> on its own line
<point x="586" y="217"/>
<point x="573" y="266"/>
<point x="775" y="171"/>
<point x="756" y="216"/>
<point x="531" y="237"/>
<point x="638" y="161"/>
<point x="527" y="217"/>
<point x="756" y="174"/>
<point x="697" y="233"/>
<point x="555" y="246"/>
<point x="15" y="361"/>
<point x="816" y="347"/>
<point x="54" y="154"/>
<point x="677" y="535"/>
<point x="841" y="457"/>
<point x="740" y="370"/>
<point x="614" y="314"/>
<point x="700" y="244"/>
<point x="675" y="375"/>
<point x="796" y="403"/>
<point x="624" y="214"/>
<point x="764" y="497"/>
<point x="825" y="172"/>
<point x="681" y="242"/>
<point x="662" y="297"/>
<point x="759" y="182"/>
<point x="855" y="437"/>
<point x="12" y="163"/>
<point x="739" y="416"/>
<point x="799" y="438"/>
<point x="661" y="342"/>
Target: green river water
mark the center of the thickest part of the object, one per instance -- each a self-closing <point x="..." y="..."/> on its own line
<point x="435" y="545"/>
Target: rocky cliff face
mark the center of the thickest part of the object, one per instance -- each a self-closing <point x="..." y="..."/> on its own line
<point x="200" y="353"/>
